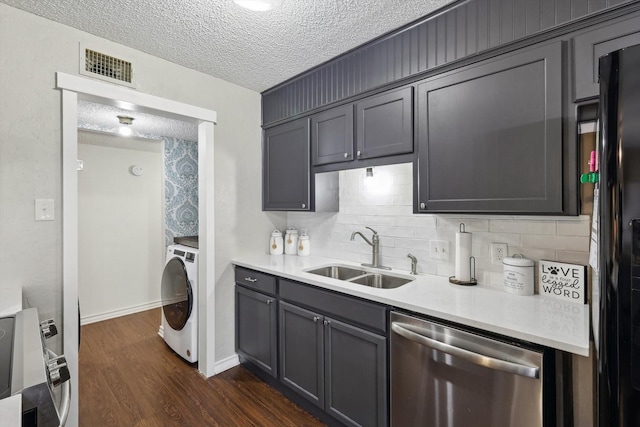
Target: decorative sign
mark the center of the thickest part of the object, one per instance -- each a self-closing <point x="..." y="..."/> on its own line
<point x="563" y="281"/>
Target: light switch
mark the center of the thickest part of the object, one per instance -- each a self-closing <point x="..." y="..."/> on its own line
<point x="44" y="210"/>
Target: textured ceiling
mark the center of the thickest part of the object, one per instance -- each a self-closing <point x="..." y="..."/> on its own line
<point x="104" y="118"/>
<point x="252" y="49"/>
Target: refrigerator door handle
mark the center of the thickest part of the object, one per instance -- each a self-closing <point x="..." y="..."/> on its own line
<point x="412" y="333"/>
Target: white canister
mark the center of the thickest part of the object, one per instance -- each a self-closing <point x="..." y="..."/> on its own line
<point x="518" y="275"/>
<point x="276" y="243"/>
<point x="304" y="245"/>
<point x="291" y="241"/>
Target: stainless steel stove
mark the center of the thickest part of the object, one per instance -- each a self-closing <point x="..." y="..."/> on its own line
<point x="30" y="369"/>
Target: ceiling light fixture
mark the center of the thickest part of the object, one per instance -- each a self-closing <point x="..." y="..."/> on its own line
<point x="258" y="5"/>
<point x="125" y="128"/>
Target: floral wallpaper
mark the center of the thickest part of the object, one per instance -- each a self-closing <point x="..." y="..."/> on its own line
<point x="180" y="188"/>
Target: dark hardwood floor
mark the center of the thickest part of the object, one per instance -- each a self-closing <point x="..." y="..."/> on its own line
<point x="130" y="377"/>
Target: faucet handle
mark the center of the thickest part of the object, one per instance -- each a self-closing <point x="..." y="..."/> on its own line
<point x="374" y="231"/>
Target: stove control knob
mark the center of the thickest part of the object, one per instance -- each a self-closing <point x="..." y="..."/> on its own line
<point x="48" y="328"/>
<point x="58" y="371"/>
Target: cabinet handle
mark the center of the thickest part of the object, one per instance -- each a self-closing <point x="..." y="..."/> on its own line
<point x="422" y="205"/>
<point x="346" y="155"/>
<point x="326" y="322"/>
<point x="359" y="153"/>
<point x="316" y="318"/>
<point x="304" y="206"/>
<point x="269" y="301"/>
<point x="250" y="279"/>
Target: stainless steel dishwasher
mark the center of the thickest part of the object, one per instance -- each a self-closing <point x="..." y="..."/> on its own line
<point x="443" y="376"/>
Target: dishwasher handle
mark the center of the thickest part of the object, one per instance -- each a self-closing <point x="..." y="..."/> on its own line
<point x="410" y="332"/>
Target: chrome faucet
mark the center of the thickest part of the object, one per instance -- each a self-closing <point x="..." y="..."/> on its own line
<point x="375" y="244"/>
<point x="414" y="263"/>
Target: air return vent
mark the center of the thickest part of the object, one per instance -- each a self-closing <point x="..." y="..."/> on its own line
<point x="105" y="67"/>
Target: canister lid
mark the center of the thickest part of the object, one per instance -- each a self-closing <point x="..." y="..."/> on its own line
<point x="518" y="261"/>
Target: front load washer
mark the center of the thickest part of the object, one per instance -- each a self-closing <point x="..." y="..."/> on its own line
<point x="179" y="290"/>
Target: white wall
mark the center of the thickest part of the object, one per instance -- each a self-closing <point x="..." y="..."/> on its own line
<point x="32" y="50"/>
<point x="120" y="225"/>
<point x="386" y="206"/>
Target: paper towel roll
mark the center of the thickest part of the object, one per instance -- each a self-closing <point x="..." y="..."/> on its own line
<point x="463" y="253"/>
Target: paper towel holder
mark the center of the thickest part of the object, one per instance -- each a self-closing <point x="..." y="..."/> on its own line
<point x="472" y="267"/>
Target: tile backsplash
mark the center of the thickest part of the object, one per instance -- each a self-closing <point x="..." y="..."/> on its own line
<point x="385" y="203"/>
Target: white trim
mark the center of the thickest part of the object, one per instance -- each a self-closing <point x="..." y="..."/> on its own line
<point x="70" y="244"/>
<point x="73" y="87"/>
<point x="87" y="320"/>
<point x="129" y="98"/>
<point x="206" y="243"/>
<point x="227" y="363"/>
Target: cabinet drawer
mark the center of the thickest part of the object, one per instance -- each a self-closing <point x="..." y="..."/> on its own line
<point x="256" y="280"/>
<point x="371" y="315"/>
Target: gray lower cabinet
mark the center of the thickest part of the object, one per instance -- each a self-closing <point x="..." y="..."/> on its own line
<point x="256" y="329"/>
<point x="339" y="367"/>
<point x="384" y="124"/>
<point x="286" y="175"/>
<point x="302" y="351"/>
<point x="490" y="136"/>
<point x="332" y="136"/>
<point x="355" y="369"/>
<point x="589" y="46"/>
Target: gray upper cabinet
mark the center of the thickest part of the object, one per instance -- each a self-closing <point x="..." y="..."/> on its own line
<point x="589" y="46"/>
<point x="384" y="124"/>
<point x="256" y="329"/>
<point x="490" y="136"/>
<point x="286" y="178"/>
<point x="332" y="135"/>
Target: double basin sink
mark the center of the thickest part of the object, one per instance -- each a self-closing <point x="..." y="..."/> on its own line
<point x="361" y="276"/>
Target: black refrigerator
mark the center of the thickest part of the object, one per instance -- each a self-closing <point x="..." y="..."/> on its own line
<point x="616" y="303"/>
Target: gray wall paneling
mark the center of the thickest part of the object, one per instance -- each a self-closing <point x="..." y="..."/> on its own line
<point x="465" y="28"/>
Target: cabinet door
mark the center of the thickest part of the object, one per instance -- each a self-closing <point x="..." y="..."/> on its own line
<point x="356" y="375"/>
<point x="256" y="329"/>
<point x="490" y="136"/>
<point x="332" y="135"/>
<point x="286" y="170"/>
<point x="301" y="352"/>
<point x="590" y="46"/>
<point x="384" y="124"/>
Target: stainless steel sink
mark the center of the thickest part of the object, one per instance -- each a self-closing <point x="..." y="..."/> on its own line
<point x="382" y="281"/>
<point x="361" y="276"/>
<point x="338" y="272"/>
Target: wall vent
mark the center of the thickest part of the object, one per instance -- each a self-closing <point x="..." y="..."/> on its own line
<point x="105" y="67"/>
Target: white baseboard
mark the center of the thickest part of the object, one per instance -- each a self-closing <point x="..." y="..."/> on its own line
<point x="161" y="331"/>
<point x="227" y="363"/>
<point x="86" y="320"/>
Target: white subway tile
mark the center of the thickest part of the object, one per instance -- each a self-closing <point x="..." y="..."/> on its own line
<point x="395" y="231"/>
<point x="371" y="220"/>
<point x="412" y="244"/>
<point x="522" y="226"/>
<point x="471" y="224"/>
<point x="574" y="228"/>
<point x="417" y="221"/>
<point x="347" y="219"/>
<point x="569" y="243"/>
<point x="573" y="257"/>
<point x="446" y="270"/>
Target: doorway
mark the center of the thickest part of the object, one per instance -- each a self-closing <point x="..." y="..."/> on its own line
<point x="74" y="88"/>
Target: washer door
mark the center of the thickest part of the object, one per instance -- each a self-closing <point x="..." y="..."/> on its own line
<point x="177" y="296"/>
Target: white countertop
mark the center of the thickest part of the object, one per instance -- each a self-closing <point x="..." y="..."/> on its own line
<point x="549" y="322"/>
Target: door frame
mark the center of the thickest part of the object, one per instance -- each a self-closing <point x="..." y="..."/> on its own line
<point x="73" y="88"/>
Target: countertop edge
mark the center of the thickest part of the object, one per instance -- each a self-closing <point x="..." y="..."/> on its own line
<point x="293" y="269"/>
